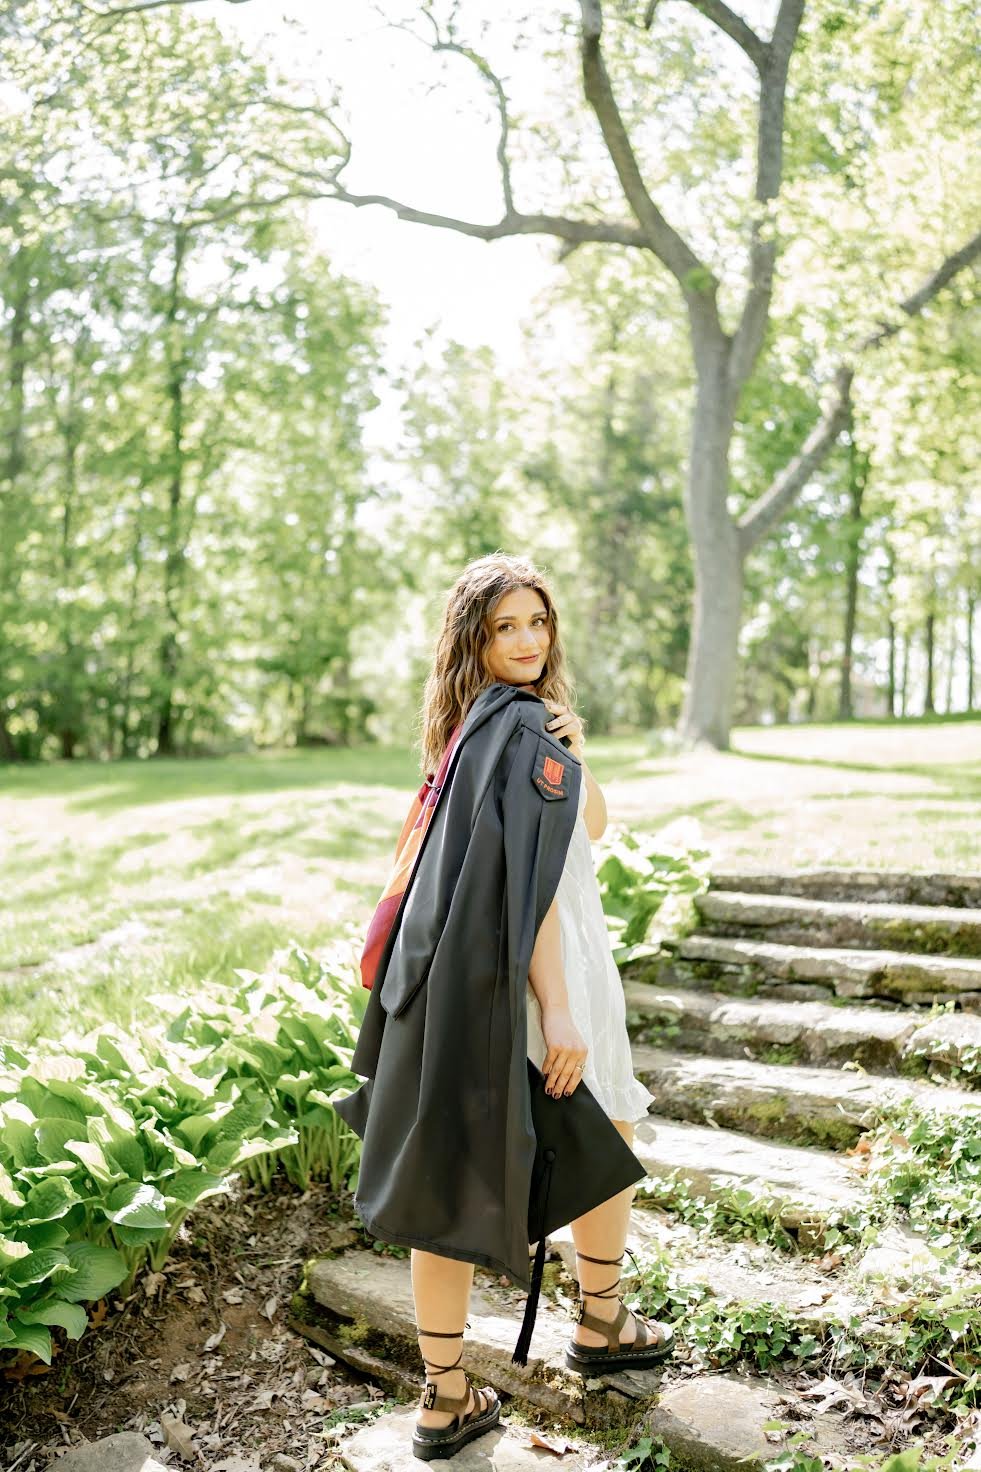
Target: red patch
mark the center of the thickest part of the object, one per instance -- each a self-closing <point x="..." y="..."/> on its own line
<point x="553" y="771"/>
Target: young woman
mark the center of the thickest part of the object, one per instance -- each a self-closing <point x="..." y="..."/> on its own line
<point x="500" y="624"/>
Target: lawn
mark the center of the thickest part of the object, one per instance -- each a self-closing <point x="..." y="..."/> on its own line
<point x="122" y="880"/>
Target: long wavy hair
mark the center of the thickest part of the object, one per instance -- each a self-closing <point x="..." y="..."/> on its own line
<point x="459" y="670"/>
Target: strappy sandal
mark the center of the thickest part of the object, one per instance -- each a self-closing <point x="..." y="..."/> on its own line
<point x="443" y="1441"/>
<point x="613" y="1355"/>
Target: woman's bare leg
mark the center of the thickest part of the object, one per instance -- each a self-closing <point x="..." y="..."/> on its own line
<point x="602" y="1232"/>
<point x="441" y="1290"/>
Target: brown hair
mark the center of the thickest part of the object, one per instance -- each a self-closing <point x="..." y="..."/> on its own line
<point x="459" y="671"/>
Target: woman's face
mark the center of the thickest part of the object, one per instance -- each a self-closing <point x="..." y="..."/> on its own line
<point x="519" y="628"/>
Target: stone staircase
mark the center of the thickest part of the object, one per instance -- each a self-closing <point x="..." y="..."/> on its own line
<point x="771" y="1038"/>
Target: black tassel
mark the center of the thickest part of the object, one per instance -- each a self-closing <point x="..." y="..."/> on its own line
<point x="520" y="1356"/>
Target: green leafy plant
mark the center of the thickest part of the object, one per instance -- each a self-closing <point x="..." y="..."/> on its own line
<point x="108" y="1141"/>
<point x="912" y="1335"/>
<point x="641" y="875"/>
<point x="646" y="1455"/>
<point x="929" y="1165"/>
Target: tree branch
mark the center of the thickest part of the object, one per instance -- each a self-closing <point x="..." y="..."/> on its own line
<point x="749" y="335"/>
<point x="574" y="232"/>
<point x="695" y="279"/>
<point x="786" y="486"/>
<point x="119" y="12"/>
<point x="490" y="76"/>
<point x="924" y="294"/>
<point x="735" y="28"/>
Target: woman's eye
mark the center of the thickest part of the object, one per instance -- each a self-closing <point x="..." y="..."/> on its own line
<point x="539" y="619"/>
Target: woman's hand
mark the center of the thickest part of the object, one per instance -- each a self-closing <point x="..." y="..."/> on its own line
<point x="564" y="722"/>
<point x="565" y="1051"/>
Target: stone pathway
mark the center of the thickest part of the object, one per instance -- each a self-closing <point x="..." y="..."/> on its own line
<point x="762" y="1082"/>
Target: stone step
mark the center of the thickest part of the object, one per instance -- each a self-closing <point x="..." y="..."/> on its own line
<point x="754" y="1272"/>
<point x="796" y="1186"/>
<point x="844" y="971"/>
<point x="715" y="1423"/>
<point x="771" y="1031"/>
<point x="805" y="1106"/>
<point x="957" y="890"/>
<point x="799" y="920"/>
<point x="374" y="1291"/>
<point x="712" y="1421"/>
<point x="386" y="1446"/>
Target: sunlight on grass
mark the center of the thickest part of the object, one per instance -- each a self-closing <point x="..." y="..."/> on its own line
<point x="126" y="880"/>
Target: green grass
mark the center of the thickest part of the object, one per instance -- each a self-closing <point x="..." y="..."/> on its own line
<point x="122" y="880"/>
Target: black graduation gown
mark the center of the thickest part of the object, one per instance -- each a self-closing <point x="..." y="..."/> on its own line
<point x="445" y="1115"/>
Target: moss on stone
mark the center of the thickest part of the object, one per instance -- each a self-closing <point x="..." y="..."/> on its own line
<point x="358" y="1331"/>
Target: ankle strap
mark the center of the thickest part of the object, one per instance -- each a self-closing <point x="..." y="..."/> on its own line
<point x="609" y="1290"/>
<point x="442" y="1334"/>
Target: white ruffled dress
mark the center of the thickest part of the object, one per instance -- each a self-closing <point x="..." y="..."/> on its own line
<point x="593" y="983"/>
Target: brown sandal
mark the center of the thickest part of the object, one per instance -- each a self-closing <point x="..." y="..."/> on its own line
<point x="444" y="1441"/>
<point x="614" y="1355"/>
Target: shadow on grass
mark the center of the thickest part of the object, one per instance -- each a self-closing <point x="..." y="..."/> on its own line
<point x="963" y="782"/>
<point x="106" y="787"/>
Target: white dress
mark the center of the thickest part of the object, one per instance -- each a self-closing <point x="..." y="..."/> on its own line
<point x="594" y="987"/>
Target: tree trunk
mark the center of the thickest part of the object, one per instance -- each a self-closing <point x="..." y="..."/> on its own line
<point x="174" y="561"/>
<point x="712" y="655"/>
<point x="70" y="703"/>
<point x="928" y="703"/>
<point x="853" y="559"/>
<point x="891" y="624"/>
<point x="970" y="651"/>
<point x="951" y="663"/>
<point x="13" y="465"/>
<point x="904" y="685"/>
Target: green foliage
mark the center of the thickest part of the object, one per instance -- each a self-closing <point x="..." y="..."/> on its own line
<point x="646" y="1455"/>
<point x="638" y="874"/>
<point x="929" y="1165"/>
<point x="292" y="1032"/>
<point x="108" y="1141"/>
<point x="913" y="1459"/>
<point x="738" y="1214"/>
<point x="911" y="1335"/>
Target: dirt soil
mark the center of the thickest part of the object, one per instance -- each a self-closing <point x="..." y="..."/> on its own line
<point x="199" y="1357"/>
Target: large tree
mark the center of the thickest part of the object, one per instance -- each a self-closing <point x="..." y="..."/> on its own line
<point x="724" y="357"/>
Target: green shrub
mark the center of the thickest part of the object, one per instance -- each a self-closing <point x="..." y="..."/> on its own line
<point x="641" y="875"/>
<point x="108" y="1141"/>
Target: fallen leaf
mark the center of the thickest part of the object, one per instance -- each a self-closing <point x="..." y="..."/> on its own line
<point x="263" y="1400"/>
<point x="237" y="1464"/>
<point x="830" y="1393"/>
<point x="178" y="1436"/>
<point x="558" y="1445"/>
<point x="928" y="1387"/>
<point x="152" y="1284"/>
<point x="809" y="1297"/>
<point x="269" y="1308"/>
<point x="180" y="1372"/>
<point x="233" y="1295"/>
<point x="216" y="1338"/>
